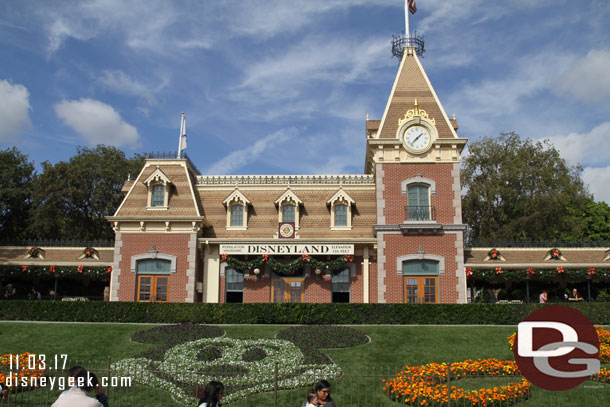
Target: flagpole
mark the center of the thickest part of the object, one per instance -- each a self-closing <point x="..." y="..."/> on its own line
<point x="182" y="124"/>
<point x="407" y="19"/>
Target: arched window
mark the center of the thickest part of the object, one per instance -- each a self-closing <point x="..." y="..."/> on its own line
<point x="158" y="195"/>
<point x="288" y="212"/>
<point x="153" y="279"/>
<point x="237" y="215"/>
<point x="341" y="215"/>
<point x="420" y="281"/>
<point x="418" y="204"/>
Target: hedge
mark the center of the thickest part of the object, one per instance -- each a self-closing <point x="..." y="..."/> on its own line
<point x="441" y="314"/>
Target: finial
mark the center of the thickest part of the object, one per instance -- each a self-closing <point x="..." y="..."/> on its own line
<point x="416" y="107"/>
<point x="367" y="116"/>
<point x="454" y="116"/>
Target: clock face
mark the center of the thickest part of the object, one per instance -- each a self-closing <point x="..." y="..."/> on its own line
<point x="417" y="138"/>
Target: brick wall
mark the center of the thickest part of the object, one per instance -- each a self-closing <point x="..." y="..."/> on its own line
<point x="395" y="200"/>
<point x="166" y="243"/>
<point x="441" y="245"/>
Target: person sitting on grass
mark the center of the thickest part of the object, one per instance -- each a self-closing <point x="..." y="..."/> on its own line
<point x="322" y="392"/>
<point x="84" y="382"/>
<point x="213" y="393"/>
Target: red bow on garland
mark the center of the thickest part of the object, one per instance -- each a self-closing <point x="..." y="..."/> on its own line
<point x="305" y="257"/>
<point x="560" y="270"/>
<point x="591" y="271"/>
<point x="224" y="257"/>
<point x="468" y="272"/>
<point x="80" y="269"/>
<point x="498" y="270"/>
<point x="52" y="268"/>
<point x="348" y="258"/>
<point x="530" y="272"/>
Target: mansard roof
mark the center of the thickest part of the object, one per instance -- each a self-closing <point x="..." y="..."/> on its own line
<point x="183" y="200"/>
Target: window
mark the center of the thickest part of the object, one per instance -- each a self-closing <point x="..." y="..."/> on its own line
<point x="340" y="215"/>
<point x="287" y="290"/>
<point x="288" y="213"/>
<point x="418" y="208"/>
<point x="237" y="211"/>
<point x="420" y="281"/>
<point x="234" y="285"/>
<point x="237" y="215"/>
<point x="158" y="190"/>
<point x="152" y="280"/>
<point x="158" y="195"/>
<point x="341" y="205"/>
<point x="288" y="208"/>
<point x="340" y="286"/>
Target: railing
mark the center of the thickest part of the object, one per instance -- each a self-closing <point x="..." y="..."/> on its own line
<point x="58" y="243"/>
<point x="548" y="244"/>
<point x="420" y="213"/>
<point x="359" y="179"/>
<point x="359" y="386"/>
<point x="171" y="155"/>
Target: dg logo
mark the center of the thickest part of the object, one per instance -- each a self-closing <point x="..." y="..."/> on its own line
<point x="557" y="348"/>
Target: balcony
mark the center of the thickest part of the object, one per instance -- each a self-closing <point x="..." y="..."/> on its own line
<point x="420" y="213"/>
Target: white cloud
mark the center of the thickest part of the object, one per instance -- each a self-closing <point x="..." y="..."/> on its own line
<point x="598" y="180"/>
<point x="315" y="59"/>
<point x="588" y="149"/>
<point x="97" y="122"/>
<point x="120" y="82"/>
<point x="14" y="110"/>
<point x="589" y="78"/>
<point x="250" y="154"/>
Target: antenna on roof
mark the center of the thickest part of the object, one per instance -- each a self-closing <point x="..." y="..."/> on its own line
<point x="399" y="43"/>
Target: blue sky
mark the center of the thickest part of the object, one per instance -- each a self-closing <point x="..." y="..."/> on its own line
<point x="283" y="87"/>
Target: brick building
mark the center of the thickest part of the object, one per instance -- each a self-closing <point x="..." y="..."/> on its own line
<point x="392" y="234"/>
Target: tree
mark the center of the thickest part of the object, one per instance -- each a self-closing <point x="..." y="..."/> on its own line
<point x="521" y="190"/>
<point x="16" y="177"/>
<point x="595" y="218"/>
<point x="72" y="199"/>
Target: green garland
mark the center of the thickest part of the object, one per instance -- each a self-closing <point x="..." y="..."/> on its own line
<point x="288" y="269"/>
<point x="97" y="273"/>
<point x="571" y="275"/>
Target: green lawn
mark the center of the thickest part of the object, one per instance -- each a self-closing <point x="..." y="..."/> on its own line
<point x="365" y="365"/>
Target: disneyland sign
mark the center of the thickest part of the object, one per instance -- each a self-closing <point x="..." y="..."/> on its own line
<point x="298" y="248"/>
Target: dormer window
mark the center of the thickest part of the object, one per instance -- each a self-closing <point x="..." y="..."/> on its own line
<point x="158" y="195"/>
<point x="288" y="212"/>
<point x="237" y="215"/>
<point x="237" y="210"/>
<point x="340" y="215"/>
<point x="158" y="190"/>
<point x="288" y="208"/>
<point x="341" y="210"/>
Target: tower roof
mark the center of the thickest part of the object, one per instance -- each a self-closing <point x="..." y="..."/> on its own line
<point x="411" y="85"/>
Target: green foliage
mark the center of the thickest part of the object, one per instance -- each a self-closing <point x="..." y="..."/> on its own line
<point x="71" y="199"/>
<point x="603" y="296"/>
<point x="521" y="190"/>
<point x="288" y="269"/>
<point x="16" y="176"/>
<point x="265" y="313"/>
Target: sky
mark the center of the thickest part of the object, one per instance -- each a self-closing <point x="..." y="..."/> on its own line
<point x="284" y="87"/>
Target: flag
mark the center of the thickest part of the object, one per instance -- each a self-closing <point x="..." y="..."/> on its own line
<point x="412" y="6"/>
<point x="183" y="134"/>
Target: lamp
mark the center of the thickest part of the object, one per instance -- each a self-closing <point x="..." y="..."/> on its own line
<point x="318" y="272"/>
<point x="257" y="273"/>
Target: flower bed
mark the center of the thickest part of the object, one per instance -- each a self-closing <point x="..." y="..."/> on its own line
<point x="181" y="371"/>
<point x="428" y="385"/>
<point x="604" y="344"/>
<point x="311" y="338"/>
<point x="170" y="335"/>
<point x="17" y="367"/>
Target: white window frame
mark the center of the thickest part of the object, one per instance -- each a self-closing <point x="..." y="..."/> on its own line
<point x="158" y="178"/>
<point x="341" y="198"/>
<point x="237" y="198"/>
<point x="289" y="198"/>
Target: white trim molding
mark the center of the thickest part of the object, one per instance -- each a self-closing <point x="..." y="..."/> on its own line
<point x="152" y="256"/>
<point x="420" y="256"/>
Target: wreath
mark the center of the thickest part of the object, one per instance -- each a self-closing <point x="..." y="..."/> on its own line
<point x="34" y="252"/>
<point x="494" y="254"/>
<point x="555" y="254"/>
<point x="89" y="253"/>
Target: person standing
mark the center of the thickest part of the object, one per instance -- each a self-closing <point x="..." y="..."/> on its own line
<point x="544" y="297"/>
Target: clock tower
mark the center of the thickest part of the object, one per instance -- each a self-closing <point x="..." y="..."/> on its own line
<point x="414" y="153"/>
